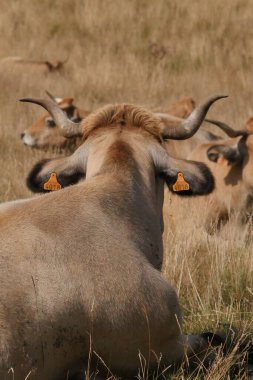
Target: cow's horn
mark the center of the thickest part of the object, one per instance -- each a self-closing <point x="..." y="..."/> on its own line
<point x="68" y="127"/>
<point x="188" y="127"/>
<point x="227" y="129"/>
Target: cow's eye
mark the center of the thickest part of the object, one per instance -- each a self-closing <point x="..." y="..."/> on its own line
<point x="50" y="123"/>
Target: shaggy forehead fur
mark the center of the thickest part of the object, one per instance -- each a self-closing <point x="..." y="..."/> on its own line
<point x="125" y="115"/>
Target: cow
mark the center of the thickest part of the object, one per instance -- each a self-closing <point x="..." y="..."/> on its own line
<point x="181" y="108"/>
<point x="231" y="162"/>
<point x="80" y="267"/>
<point x="42" y="67"/>
<point x="44" y="133"/>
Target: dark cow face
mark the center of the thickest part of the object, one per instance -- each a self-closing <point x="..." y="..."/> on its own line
<point x="237" y="155"/>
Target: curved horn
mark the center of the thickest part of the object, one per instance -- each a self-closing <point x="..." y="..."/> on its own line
<point x="68" y="128"/>
<point x="227" y="129"/>
<point x="188" y="127"/>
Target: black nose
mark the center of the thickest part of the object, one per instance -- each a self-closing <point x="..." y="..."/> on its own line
<point x="22" y="135"/>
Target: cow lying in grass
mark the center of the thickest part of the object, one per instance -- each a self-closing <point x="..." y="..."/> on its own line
<point x="23" y="65"/>
<point x="44" y="133"/>
<point x="80" y="267"/>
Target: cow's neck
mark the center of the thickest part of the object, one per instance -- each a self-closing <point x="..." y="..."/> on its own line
<point x="137" y="208"/>
<point x="130" y="194"/>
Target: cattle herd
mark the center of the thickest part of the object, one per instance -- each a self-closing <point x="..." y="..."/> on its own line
<point x="88" y="295"/>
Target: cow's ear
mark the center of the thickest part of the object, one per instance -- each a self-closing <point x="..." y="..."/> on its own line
<point x="195" y="174"/>
<point x="189" y="178"/>
<point x="68" y="171"/>
<point x="230" y="153"/>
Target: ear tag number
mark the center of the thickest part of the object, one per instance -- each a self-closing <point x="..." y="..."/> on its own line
<point x="181" y="184"/>
<point x="52" y="184"/>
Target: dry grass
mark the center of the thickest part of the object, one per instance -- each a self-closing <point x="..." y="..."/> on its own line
<point x="149" y="53"/>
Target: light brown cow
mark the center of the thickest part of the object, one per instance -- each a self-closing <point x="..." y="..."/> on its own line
<point x="231" y="162"/>
<point x="44" y="133"/>
<point x="182" y="108"/>
<point x="80" y="267"/>
<point x="29" y="65"/>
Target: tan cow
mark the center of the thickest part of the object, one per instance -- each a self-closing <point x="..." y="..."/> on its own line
<point x="44" y="133"/>
<point x="30" y="66"/>
<point x="182" y="108"/>
<point x="231" y="162"/>
<point x="80" y="267"/>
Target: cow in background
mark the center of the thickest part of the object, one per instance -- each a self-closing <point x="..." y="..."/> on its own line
<point x="41" y="67"/>
<point x="181" y="108"/>
<point x="44" y="133"/>
<point x="231" y="162"/>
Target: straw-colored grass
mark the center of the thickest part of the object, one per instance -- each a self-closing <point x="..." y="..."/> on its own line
<point x="148" y="53"/>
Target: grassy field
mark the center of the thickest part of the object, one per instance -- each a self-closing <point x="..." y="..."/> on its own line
<point x="149" y="53"/>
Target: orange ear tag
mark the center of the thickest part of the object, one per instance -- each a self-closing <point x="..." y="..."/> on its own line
<point x="180" y="184"/>
<point x="52" y="184"/>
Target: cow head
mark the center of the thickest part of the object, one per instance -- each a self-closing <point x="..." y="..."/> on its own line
<point x="237" y="155"/>
<point x="231" y="161"/>
<point x="128" y="141"/>
<point x="44" y="133"/>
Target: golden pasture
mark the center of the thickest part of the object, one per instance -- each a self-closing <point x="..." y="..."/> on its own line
<point x="149" y="53"/>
